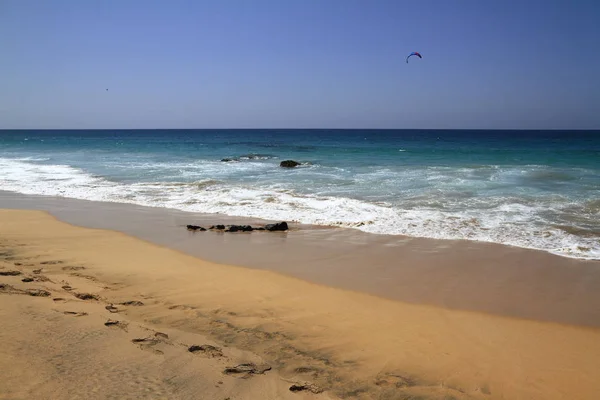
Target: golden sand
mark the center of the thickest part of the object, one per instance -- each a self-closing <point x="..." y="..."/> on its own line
<point x="330" y="343"/>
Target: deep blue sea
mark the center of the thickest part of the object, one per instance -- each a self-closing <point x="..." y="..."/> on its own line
<point x="534" y="189"/>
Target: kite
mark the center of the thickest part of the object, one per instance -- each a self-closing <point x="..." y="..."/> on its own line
<point x="414" y="53"/>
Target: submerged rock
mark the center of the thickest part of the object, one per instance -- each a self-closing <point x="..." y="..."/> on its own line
<point x="239" y="228"/>
<point x="289" y="164"/>
<point x="195" y="228"/>
<point x="280" y="226"/>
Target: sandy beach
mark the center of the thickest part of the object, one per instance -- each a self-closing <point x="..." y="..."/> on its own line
<point x="100" y="314"/>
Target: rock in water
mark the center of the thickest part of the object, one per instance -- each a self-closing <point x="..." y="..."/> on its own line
<point x="195" y="228"/>
<point x="239" y="228"/>
<point x="280" y="226"/>
<point x="289" y="164"/>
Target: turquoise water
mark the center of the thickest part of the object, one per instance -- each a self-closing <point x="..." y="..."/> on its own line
<point x="535" y="189"/>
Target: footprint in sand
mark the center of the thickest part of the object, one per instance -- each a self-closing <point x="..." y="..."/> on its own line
<point x="146" y="340"/>
<point x="72" y="268"/>
<point x="314" y="371"/>
<point x="306" y="387"/>
<point x="395" y="380"/>
<point x="112" y="308"/>
<point x="86" y="296"/>
<point x="75" y="313"/>
<point x="181" y="307"/>
<point x="161" y="335"/>
<point x="10" y="273"/>
<point x="50" y="262"/>
<point x="59" y="300"/>
<point x="148" y="343"/>
<point x="247" y="370"/>
<point x="88" y="277"/>
<point x="134" y="303"/>
<point x="118" y="324"/>
<point x="207" y="350"/>
<point x="8" y="289"/>
<point x="38" y="292"/>
<point x="27" y="280"/>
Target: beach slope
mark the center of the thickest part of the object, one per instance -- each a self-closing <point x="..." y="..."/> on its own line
<point x="99" y="314"/>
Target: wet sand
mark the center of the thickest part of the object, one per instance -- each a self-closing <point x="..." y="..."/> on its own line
<point x="105" y="315"/>
<point x="460" y="275"/>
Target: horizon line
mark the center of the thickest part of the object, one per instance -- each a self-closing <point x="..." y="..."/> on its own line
<point x="302" y="129"/>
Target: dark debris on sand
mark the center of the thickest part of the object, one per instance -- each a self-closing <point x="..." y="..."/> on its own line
<point x="279" y="226"/>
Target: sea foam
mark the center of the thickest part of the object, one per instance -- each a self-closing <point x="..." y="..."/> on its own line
<point x="423" y="212"/>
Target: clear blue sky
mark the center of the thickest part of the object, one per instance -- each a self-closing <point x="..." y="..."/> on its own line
<point x="300" y="64"/>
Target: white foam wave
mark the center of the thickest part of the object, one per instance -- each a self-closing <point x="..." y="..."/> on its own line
<point x="506" y="220"/>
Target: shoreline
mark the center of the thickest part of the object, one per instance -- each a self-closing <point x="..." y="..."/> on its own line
<point x="351" y="345"/>
<point x="462" y="275"/>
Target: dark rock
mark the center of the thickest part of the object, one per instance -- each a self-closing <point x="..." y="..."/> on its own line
<point x="10" y="273"/>
<point x="289" y="164"/>
<point x="228" y="159"/>
<point x="239" y="228"/>
<point x="195" y="228"/>
<point x="220" y="227"/>
<point x="280" y="226"/>
<point x="260" y="229"/>
<point x="27" y="280"/>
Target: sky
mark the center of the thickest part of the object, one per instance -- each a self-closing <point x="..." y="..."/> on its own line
<point x="487" y="64"/>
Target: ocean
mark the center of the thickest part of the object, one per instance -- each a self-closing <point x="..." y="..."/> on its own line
<point x="532" y="189"/>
